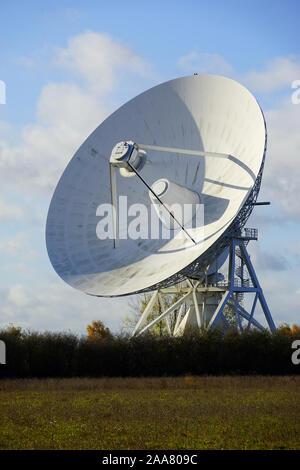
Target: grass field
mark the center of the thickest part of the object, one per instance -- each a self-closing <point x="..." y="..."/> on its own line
<point x="159" y="413"/>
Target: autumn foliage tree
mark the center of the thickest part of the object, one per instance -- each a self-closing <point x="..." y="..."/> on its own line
<point x="288" y="330"/>
<point x="97" y="331"/>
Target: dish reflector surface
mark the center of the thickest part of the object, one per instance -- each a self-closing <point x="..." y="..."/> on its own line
<point x="199" y="113"/>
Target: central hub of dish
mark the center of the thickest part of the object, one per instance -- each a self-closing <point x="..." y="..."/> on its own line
<point x="121" y="153"/>
<point x="126" y="152"/>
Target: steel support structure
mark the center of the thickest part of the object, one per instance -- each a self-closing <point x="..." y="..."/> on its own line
<point x="203" y="306"/>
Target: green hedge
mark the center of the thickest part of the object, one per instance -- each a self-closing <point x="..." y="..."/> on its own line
<point x="31" y="354"/>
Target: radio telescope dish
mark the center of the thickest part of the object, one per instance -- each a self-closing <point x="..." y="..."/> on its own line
<point x="200" y="138"/>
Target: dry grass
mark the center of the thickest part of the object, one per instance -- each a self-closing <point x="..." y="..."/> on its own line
<point x="151" y="413"/>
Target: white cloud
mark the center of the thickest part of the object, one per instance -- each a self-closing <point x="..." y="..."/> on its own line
<point x="205" y="63"/>
<point x="19" y="268"/>
<point x="266" y="260"/>
<point x="10" y="211"/>
<point x="279" y="73"/>
<point x="67" y="113"/>
<point x="282" y="172"/>
<point x="282" y="298"/>
<point x="18" y="296"/>
<point x="101" y="60"/>
<point x="18" y="246"/>
<point x="5" y="129"/>
<point x="278" y="281"/>
<point x="65" y="116"/>
<point x="55" y="306"/>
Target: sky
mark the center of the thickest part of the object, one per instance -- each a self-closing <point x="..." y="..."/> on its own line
<point x="68" y="65"/>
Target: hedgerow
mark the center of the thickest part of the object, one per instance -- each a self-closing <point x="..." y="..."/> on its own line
<point x="35" y="354"/>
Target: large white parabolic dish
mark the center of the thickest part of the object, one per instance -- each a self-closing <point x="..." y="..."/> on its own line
<point x="200" y="112"/>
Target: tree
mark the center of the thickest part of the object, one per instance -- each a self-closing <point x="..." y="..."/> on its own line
<point x="295" y="330"/>
<point x="230" y="314"/>
<point x="138" y="306"/>
<point x="14" y="330"/>
<point x="97" y="331"/>
<point x="286" y="330"/>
